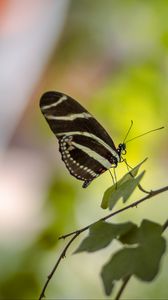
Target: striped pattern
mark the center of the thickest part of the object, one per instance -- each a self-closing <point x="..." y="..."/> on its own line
<point x="69" y="117"/>
<point x="54" y="104"/>
<point x="86" y="148"/>
<point x="92" y="139"/>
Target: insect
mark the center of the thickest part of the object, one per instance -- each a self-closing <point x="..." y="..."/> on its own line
<point x="86" y="148"/>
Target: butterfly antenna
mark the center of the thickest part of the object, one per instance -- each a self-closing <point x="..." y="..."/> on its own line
<point x="128" y="131"/>
<point x="144" y="134"/>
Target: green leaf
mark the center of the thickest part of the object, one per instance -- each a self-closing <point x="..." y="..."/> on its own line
<point x="120" y="265"/>
<point x="102" y="233"/>
<point x="143" y="235"/>
<point x="113" y="194"/>
<point x="124" y="191"/>
<point x="142" y="260"/>
<point x="130" y="237"/>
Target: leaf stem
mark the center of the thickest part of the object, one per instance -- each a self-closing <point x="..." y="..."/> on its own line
<point x="122" y="288"/>
<point x="165" y="225"/>
<point x="143" y="190"/>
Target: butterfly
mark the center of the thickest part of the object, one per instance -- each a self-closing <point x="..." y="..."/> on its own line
<point x="86" y="148"/>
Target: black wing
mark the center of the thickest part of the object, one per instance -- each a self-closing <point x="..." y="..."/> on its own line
<point x="86" y="148"/>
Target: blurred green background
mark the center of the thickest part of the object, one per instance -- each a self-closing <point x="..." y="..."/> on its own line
<point x="112" y="56"/>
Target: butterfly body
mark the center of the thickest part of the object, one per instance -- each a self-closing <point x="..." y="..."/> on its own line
<point x="86" y="148"/>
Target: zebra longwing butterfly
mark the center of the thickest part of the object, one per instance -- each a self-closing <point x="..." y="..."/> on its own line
<point x="86" y="148"/>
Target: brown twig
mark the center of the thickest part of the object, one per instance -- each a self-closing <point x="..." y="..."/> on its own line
<point x="79" y="231"/>
<point x="136" y="203"/>
<point x="63" y="254"/>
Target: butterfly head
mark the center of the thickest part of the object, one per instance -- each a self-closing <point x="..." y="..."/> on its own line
<point x="121" y="150"/>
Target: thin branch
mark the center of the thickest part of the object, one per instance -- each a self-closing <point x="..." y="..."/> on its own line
<point x="77" y="232"/>
<point x="122" y="288"/>
<point x="134" y="204"/>
<point x="63" y="254"/>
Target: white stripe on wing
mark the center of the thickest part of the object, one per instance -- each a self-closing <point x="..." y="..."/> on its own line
<point x="103" y="161"/>
<point x="71" y="117"/>
<point x="63" y="98"/>
<point x="100" y="141"/>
